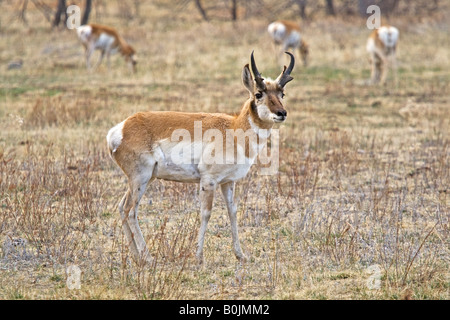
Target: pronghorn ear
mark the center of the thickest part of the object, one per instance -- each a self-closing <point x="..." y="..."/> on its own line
<point x="247" y="79"/>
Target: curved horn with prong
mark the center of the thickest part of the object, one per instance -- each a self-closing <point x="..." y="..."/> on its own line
<point x="258" y="79"/>
<point x="285" y="76"/>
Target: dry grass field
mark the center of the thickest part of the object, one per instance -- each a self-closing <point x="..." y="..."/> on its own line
<point x="358" y="210"/>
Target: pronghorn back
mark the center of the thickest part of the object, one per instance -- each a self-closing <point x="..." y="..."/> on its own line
<point x="84" y="33"/>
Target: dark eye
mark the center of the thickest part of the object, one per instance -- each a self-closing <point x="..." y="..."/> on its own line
<point x="258" y="95"/>
<point x="282" y="95"/>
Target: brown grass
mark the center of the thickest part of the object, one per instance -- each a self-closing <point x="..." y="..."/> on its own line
<point x="363" y="179"/>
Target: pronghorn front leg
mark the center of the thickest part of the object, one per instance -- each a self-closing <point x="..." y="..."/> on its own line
<point x="228" y="194"/>
<point x="89" y="51"/>
<point x="207" y="189"/>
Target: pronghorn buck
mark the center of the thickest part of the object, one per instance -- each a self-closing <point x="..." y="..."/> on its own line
<point x="157" y="145"/>
<point x="108" y="41"/>
<point x="381" y="45"/>
<point x="287" y="35"/>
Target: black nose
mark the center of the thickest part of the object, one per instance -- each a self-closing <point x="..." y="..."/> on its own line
<point x="282" y="113"/>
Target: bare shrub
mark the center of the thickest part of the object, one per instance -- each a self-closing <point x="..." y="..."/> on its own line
<point x="58" y="111"/>
<point x="50" y="203"/>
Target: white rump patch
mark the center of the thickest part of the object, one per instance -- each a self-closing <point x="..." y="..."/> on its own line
<point x="84" y="32"/>
<point x="114" y="137"/>
<point x="388" y="36"/>
<point x="277" y="30"/>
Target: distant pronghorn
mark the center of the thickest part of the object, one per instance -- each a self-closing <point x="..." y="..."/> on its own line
<point x="147" y="146"/>
<point x="287" y="35"/>
<point x="108" y="41"/>
<point x="381" y="45"/>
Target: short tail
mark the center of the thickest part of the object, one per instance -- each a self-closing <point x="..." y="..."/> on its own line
<point x="114" y="138"/>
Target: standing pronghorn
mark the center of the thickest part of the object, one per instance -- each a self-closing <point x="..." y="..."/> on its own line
<point x="147" y="146"/>
<point x="381" y="46"/>
<point x="108" y="41"/>
<point x="287" y="34"/>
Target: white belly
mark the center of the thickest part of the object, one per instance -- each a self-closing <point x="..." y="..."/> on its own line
<point x="189" y="162"/>
<point x="105" y="42"/>
<point x="175" y="163"/>
<point x="293" y="40"/>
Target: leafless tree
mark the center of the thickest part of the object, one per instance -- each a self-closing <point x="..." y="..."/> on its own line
<point x="386" y="6"/>
<point x="234" y="10"/>
<point x="202" y="11"/>
<point x="60" y="10"/>
<point x="302" y="6"/>
<point x="330" y="8"/>
<point x="87" y="12"/>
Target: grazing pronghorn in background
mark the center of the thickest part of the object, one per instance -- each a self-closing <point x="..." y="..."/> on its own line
<point x="108" y="41"/>
<point x="381" y="46"/>
<point x="146" y="144"/>
<point x="287" y="35"/>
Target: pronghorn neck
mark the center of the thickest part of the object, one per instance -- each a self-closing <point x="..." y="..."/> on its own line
<point x="125" y="49"/>
<point x="249" y="119"/>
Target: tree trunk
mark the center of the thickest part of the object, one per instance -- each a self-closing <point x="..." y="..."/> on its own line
<point x="87" y="12"/>
<point x="234" y="10"/>
<point x="59" y="11"/>
<point x="330" y="8"/>
<point x="302" y="5"/>
<point x="202" y="11"/>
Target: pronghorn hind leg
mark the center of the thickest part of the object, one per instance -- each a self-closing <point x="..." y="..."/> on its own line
<point x="100" y="59"/>
<point x="276" y="51"/>
<point x="129" y="212"/>
<point x="303" y="55"/>
<point x="377" y="66"/>
<point x="281" y="57"/>
<point x="228" y="195"/>
<point x="127" y="230"/>
<point x="88" y="55"/>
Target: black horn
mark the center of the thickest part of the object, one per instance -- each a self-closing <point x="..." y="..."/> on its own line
<point x="285" y="76"/>
<point x="258" y="79"/>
